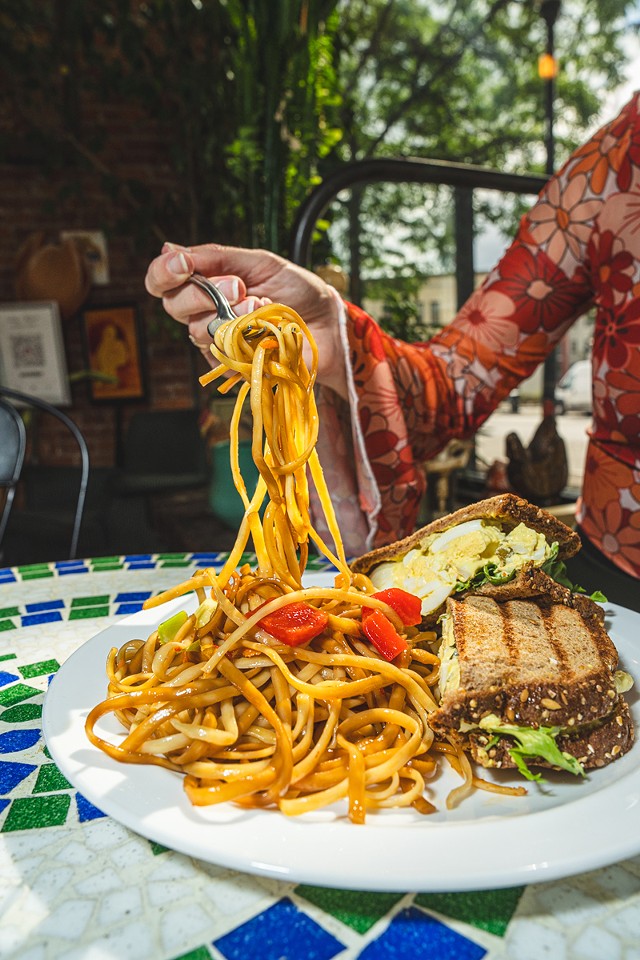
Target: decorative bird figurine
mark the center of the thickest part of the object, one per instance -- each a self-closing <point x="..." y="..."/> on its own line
<point x="540" y="471"/>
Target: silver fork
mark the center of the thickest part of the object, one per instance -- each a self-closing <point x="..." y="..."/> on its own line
<point x="222" y="305"/>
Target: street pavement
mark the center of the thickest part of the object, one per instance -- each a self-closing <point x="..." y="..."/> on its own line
<point x="572" y="427"/>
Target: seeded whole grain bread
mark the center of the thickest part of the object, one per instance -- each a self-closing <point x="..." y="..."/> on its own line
<point x="592" y="745"/>
<point x="506" y="507"/>
<point x="531" y="581"/>
<point x="531" y="662"/>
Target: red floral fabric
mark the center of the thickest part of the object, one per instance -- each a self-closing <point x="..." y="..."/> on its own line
<point x="579" y="245"/>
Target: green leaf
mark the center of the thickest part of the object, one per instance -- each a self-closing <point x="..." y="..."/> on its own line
<point x="533" y="742"/>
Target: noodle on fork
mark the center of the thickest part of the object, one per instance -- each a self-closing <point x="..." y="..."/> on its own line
<point x="270" y="694"/>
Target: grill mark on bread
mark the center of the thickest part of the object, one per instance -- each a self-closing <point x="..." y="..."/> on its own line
<point x="508" y="637"/>
<point x="546" y="614"/>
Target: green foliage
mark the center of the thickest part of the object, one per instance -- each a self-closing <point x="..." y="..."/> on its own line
<point x="242" y="93"/>
<point x="254" y="100"/>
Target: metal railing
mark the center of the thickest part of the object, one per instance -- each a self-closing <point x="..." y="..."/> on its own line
<point x="464" y="178"/>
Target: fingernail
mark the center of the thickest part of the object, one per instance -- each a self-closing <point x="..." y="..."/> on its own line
<point x="231" y="289"/>
<point x="179" y="266"/>
<point x="167" y="247"/>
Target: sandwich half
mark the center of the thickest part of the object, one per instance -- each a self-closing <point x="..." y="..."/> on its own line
<point x="531" y="682"/>
<point x="489" y="544"/>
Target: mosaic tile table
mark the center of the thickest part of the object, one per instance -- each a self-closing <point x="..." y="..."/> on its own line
<point x="76" y="884"/>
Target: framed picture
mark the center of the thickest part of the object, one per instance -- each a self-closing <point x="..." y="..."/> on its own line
<point x="114" y="353"/>
<point x="32" y="357"/>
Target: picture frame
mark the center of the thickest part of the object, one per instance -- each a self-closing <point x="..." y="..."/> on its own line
<point x="115" y="355"/>
<point x="32" y="355"/>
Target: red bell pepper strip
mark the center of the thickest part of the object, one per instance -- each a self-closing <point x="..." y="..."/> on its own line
<point x="379" y="630"/>
<point x="294" y="623"/>
<point x="406" y="605"/>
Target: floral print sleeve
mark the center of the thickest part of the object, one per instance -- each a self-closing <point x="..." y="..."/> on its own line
<point x="579" y="245"/>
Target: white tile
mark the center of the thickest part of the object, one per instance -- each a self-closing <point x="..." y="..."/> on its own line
<point x="596" y="944"/>
<point x="119" y="905"/>
<point x="68" y="921"/>
<point x="186" y="924"/>
<point x="625" y="923"/>
<point x="99" y="883"/>
<point x="531" y="940"/>
<point x="565" y="902"/>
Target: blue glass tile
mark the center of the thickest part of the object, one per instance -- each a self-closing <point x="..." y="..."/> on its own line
<point x="4" y="803"/>
<point x="7" y="576"/>
<point x="86" y="810"/>
<point x="33" y="619"/>
<point x="208" y="556"/>
<point x="126" y="608"/>
<point x="11" y="774"/>
<point x="411" y="930"/>
<point x="126" y="597"/>
<point x="44" y="605"/>
<point x="129" y="557"/>
<point x="14" y="740"/>
<point x="6" y="678"/>
<point x="67" y="564"/>
<point x="281" y="931"/>
<point x="67" y="570"/>
<point x="144" y="565"/>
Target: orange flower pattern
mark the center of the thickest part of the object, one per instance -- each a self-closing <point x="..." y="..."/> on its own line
<point x="579" y="245"/>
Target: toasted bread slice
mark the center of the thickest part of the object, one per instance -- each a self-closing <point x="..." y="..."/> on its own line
<point x="593" y="745"/>
<point x="507" y="508"/>
<point x="490" y="541"/>
<point x="531" y="581"/>
<point x="531" y="662"/>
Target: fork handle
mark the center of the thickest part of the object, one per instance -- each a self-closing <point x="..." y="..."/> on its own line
<point x="222" y="305"/>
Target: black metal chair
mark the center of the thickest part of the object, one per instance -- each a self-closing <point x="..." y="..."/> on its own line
<point x="13" y="444"/>
<point x="44" y="517"/>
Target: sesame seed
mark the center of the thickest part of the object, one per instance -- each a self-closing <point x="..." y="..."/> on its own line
<point x="616" y="750"/>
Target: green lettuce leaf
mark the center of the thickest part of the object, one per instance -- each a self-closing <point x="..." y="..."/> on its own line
<point x="540" y="742"/>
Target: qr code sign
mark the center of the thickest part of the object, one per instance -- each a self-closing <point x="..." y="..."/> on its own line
<point x="27" y="351"/>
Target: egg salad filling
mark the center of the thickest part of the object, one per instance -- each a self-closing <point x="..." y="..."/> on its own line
<point x="447" y="562"/>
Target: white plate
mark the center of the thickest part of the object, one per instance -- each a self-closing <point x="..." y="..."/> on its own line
<point x="562" y="827"/>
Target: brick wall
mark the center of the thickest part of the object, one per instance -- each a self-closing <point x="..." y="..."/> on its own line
<point x="33" y="198"/>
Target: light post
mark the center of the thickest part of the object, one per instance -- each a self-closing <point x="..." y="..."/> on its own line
<point x="548" y="70"/>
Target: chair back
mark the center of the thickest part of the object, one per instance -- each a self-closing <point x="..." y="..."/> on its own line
<point x="13" y="443"/>
<point x="163" y="451"/>
<point x="35" y="402"/>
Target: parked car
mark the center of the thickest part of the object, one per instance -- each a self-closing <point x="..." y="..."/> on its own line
<point x="574" y="388"/>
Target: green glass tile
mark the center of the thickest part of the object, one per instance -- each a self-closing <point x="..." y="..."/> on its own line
<point x="34" y="813"/>
<point x="7" y="625"/>
<point x="356" y="909"/>
<point x="50" y="780"/>
<point x="45" y="750"/>
<point x="487" y="909"/>
<point x="108" y="566"/>
<point x="200" y="953"/>
<point x="8" y="656"/>
<point x="157" y="848"/>
<point x="172" y="556"/>
<point x="90" y="601"/>
<point x="175" y="563"/>
<point x="84" y="613"/>
<point x="21" y="713"/>
<point x="15" y="693"/>
<point x="27" y="567"/>
<point x="40" y="669"/>
<point x="100" y="561"/>
<point x="36" y="574"/>
<point x="9" y="612"/>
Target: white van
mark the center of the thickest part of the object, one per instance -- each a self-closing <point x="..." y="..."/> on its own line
<point x="574" y="388"/>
